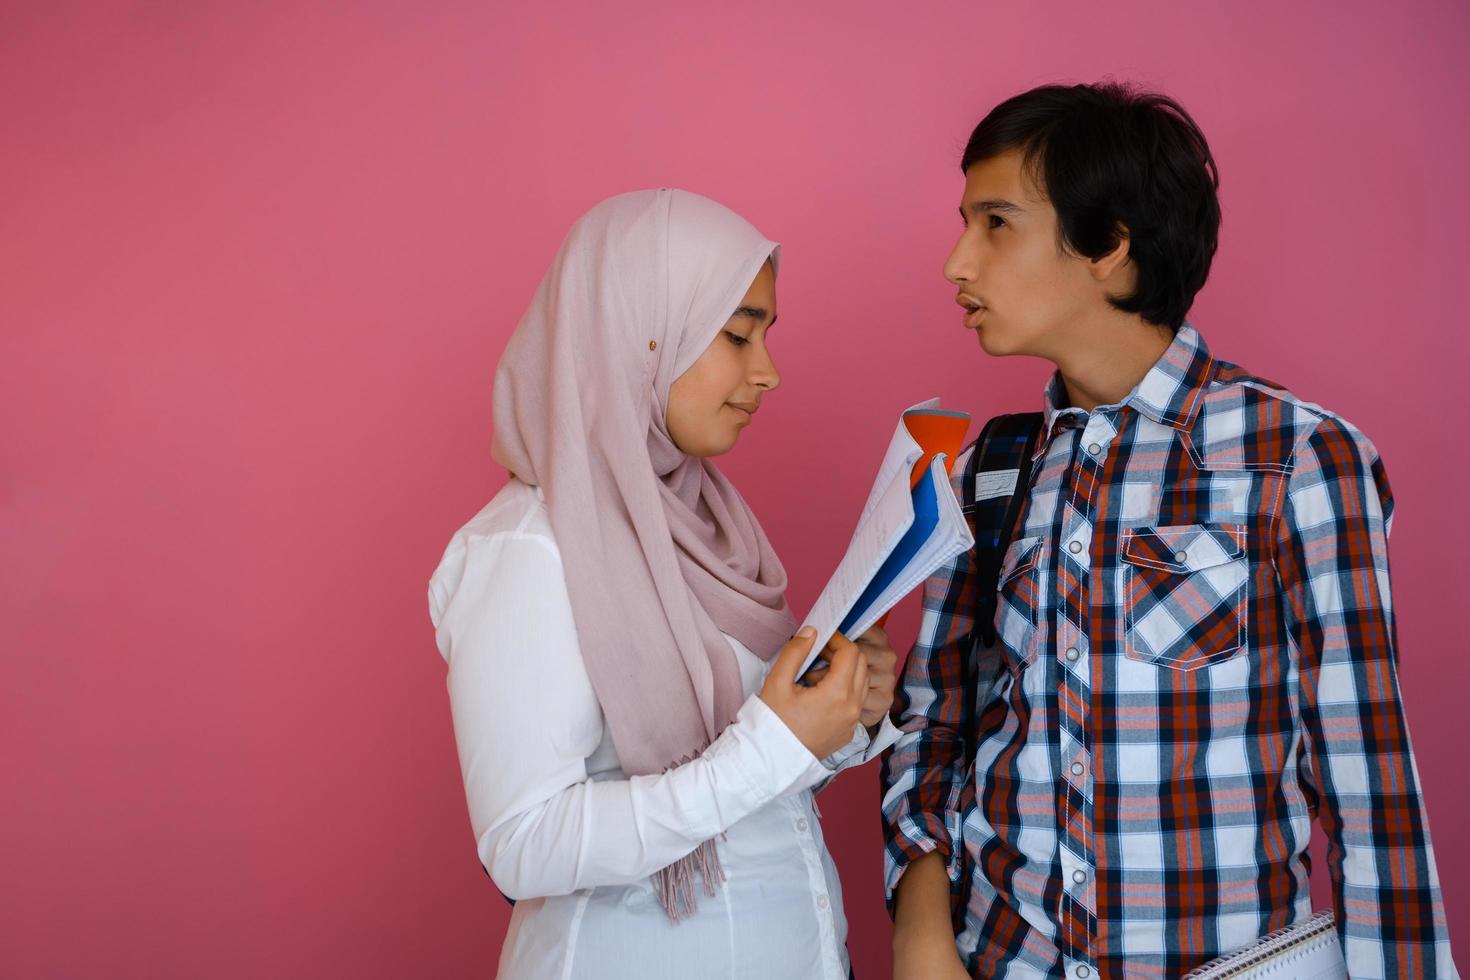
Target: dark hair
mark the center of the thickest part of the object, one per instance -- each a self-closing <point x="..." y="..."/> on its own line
<point x="1110" y="157"/>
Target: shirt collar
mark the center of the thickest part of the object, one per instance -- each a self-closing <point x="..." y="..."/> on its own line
<point x="1170" y="393"/>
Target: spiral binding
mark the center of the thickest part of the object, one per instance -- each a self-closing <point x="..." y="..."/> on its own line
<point x="1270" y="946"/>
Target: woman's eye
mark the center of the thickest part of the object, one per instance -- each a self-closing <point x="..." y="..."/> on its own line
<point x="996" y="221"/>
<point x="736" y="339"/>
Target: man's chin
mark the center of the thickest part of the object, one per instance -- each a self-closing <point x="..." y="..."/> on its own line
<point x="994" y="344"/>
<point x="997" y="343"/>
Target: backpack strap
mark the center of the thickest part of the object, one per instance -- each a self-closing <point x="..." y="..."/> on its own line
<point x="1006" y="444"/>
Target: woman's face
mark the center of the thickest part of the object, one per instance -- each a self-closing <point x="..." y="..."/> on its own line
<point x="715" y="399"/>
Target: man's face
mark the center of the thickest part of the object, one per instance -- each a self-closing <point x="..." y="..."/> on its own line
<point x="1020" y="288"/>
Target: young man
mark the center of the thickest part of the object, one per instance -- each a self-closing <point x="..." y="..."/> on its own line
<point x="1195" y="647"/>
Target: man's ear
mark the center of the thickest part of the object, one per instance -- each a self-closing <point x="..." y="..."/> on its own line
<point x="1104" y="266"/>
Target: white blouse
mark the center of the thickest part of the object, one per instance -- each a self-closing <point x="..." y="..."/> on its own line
<point x="560" y="827"/>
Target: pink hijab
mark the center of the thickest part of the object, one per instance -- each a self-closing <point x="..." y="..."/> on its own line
<point x="661" y="554"/>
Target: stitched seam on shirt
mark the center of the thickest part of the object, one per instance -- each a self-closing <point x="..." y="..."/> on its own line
<point x="498" y="536"/>
<point x="729" y="897"/>
<point x="1282" y="395"/>
<point x="1279" y="502"/>
<point x="529" y="513"/>
<point x="576" y="927"/>
<point x="1196" y="456"/>
<point x="1294" y="652"/>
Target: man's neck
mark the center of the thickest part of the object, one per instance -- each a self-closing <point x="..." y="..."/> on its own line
<point x="1101" y="362"/>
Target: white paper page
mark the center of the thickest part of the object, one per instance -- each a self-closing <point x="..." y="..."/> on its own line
<point x="885" y="517"/>
<point x="951" y="537"/>
<point x="898" y="461"/>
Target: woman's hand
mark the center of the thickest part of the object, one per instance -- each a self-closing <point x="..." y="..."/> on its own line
<point x="882" y="676"/>
<point x="822" y="716"/>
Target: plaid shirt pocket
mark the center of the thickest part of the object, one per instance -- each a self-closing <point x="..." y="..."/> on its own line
<point x="1184" y="593"/>
<point x="1018" y="604"/>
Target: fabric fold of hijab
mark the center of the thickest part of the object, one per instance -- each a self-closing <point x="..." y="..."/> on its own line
<point x="660" y="552"/>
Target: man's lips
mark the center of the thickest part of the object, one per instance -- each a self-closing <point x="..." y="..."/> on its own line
<point x="974" y="310"/>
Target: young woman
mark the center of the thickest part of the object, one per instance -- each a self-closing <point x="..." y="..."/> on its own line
<point x="638" y="756"/>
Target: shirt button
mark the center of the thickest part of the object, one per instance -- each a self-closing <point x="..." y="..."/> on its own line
<point x="1075" y="547"/>
<point x="1094" y="449"/>
<point x="1073" y="653"/>
<point x="822" y="901"/>
<point x="1083" y="972"/>
<point x="1079" y="876"/>
<point x="1078" y="768"/>
<point x="1180" y="557"/>
<point x="801" y="824"/>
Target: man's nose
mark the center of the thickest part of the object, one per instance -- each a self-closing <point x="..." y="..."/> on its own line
<point x="961" y="265"/>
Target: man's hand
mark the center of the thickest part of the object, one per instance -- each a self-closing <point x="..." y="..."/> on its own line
<point x="882" y="676"/>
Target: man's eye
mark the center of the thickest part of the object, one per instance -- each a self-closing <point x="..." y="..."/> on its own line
<point x="736" y="339"/>
<point x="996" y="221"/>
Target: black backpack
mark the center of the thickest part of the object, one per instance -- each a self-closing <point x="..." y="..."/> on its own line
<point x="1006" y="443"/>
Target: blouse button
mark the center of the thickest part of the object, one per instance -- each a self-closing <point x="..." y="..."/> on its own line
<point x="822" y="901"/>
<point x="801" y="824"/>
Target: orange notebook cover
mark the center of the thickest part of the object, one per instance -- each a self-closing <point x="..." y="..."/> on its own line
<point x="936" y="431"/>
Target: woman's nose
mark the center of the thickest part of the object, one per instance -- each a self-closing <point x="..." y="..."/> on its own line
<point x="765" y="374"/>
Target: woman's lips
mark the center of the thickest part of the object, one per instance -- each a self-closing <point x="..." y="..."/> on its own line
<point x="747" y="412"/>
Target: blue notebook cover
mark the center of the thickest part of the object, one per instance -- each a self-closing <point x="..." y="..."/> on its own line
<point x="926" y="519"/>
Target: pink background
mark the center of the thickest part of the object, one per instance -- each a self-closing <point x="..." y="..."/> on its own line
<point x="257" y="262"/>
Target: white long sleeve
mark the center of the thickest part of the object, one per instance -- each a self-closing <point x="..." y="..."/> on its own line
<point x="527" y="721"/>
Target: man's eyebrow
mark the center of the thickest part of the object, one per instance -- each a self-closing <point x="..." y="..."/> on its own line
<point x="993" y="204"/>
<point x="755" y="313"/>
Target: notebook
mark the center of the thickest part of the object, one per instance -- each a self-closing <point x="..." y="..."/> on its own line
<point x="1309" y="951"/>
<point x="910" y="526"/>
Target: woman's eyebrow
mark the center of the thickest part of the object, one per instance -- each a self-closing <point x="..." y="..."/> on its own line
<point x="754" y="312"/>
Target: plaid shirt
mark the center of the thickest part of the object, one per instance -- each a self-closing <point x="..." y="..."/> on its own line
<point x="1196" y="658"/>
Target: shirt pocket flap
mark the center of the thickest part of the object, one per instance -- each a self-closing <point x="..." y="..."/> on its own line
<point x="1020" y="556"/>
<point x="1184" y="547"/>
